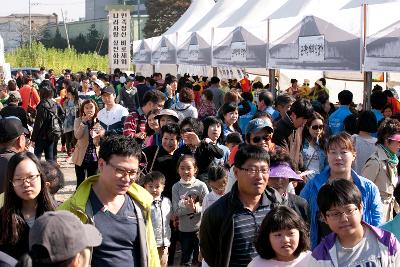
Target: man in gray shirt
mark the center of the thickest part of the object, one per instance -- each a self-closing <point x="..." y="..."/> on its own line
<point x="218" y="94"/>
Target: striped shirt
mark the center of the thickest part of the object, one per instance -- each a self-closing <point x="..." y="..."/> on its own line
<point x="135" y="123"/>
<point x="246" y="224"/>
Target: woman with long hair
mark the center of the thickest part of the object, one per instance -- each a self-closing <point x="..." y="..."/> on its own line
<point x="86" y="131"/>
<point x="314" y="140"/>
<point x="25" y="199"/>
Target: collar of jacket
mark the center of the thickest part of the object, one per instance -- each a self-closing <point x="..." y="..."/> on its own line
<point x="380" y="154"/>
<point x="81" y="196"/>
<point x="288" y="122"/>
<point x="320" y="179"/>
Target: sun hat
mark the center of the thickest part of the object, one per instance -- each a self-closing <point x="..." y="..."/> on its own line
<point x="283" y="170"/>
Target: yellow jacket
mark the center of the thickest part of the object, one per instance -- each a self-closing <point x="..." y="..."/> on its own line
<point x="79" y="205"/>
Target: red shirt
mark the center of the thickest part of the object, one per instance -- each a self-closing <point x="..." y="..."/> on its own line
<point x="26" y="97"/>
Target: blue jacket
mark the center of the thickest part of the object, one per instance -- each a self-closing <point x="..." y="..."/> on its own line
<point x="321" y="154"/>
<point x="371" y="200"/>
<point x="336" y="119"/>
<point x="325" y="254"/>
<point x="379" y="117"/>
<point x="244" y="119"/>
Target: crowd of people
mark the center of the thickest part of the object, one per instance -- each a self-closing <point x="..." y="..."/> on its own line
<point x="219" y="170"/>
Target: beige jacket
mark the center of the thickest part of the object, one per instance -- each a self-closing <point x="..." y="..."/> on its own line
<point x="81" y="133"/>
<point x="377" y="170"/>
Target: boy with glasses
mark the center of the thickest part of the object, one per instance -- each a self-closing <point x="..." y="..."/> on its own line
<point x="353" y="242"/>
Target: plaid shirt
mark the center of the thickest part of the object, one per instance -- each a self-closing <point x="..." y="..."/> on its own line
<point x="91" y="154"/>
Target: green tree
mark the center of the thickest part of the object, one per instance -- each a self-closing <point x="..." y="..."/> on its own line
<point x="58" y="41"/>
<point x="47" y="39"/>
<point x="80" y="44"/>
<point x="162" y="15"/>
<point x="92" y="38"/>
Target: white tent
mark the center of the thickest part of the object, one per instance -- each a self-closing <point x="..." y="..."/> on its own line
<point x="382" y="51"/>
<point x="315" y="34"/>
<point x="164" y="52"/>
<point x="196" y="11"/>
<point x="141" y="51"/>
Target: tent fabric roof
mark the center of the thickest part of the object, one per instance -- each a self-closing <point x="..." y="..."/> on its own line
<point x="196" y="11"/>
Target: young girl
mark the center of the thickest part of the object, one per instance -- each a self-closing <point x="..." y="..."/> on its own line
<point x="87" y="134"/>
<point x="387" y="111"/>
<point x="217" y="180"/>
<point x="25" y="199"/>
<point x="187" y="196"/>
<point x="71" y="107"/>
<point x="282" y="240"/>
<point x="153" y="129"/>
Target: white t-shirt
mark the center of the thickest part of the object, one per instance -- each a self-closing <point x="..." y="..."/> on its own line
<point x="301" y="261"/>
<point x="365" y="253"/>
<point x="311" y="158"/>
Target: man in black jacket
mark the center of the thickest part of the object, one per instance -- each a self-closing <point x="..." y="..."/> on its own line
<point x="230" y="225"/>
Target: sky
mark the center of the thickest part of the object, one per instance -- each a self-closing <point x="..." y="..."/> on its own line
<point x="73" y="9"/>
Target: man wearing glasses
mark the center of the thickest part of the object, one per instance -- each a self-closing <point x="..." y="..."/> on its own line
<point x="229" y="227"/>
<point x="12" y="140"/>
<point x="118" y="207"/>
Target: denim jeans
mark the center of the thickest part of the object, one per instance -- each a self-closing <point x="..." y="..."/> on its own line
<point x="45" y="146"/>
<point x="87" y="169"/>
<point x="190" y="247"/>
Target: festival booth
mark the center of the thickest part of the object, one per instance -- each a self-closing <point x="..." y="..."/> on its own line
<point x="315" y="35"/>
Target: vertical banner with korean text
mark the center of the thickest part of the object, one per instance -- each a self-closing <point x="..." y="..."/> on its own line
<point x="119" y="24"/>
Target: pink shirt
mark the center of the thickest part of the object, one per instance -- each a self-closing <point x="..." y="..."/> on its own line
<point x="301" y="261"/>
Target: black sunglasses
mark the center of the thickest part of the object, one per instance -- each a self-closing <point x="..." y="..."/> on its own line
<point x="258" y="139"/>
<point x="316" y="127"/>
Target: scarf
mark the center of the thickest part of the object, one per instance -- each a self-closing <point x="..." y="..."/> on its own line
<point x="183" y="182"/>
<point x="393" y="160"/>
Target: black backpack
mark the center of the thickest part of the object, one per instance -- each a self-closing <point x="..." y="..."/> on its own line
<point x="54" y="126"/>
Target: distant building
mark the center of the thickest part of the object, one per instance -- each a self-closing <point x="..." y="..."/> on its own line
<point x="95" y="9"/>
<point x="15" y="28"/>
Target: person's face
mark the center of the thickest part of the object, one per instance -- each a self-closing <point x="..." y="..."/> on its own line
<point x="219" y="186"/>
<point x="231" y="117"/>
<point x="261" y="105"/>
<point x="89" y="109"/>
<point x="214" y="131"/>
<point x="155" y="188"/>
<point x="261" y="138"/>
<point x="70" y="96"/>
<point x="85" y="84"/>
<point x="294" y="85"/>
<point x="174" y="85"/>
<point x="3" y="93"/>
<point x="279" y="183"/>
<point x="67" y="76"/>
<point x="166" y="119"/>
<point x="158" y="106"/>
<point x="117" y="175"/>
<point x="187" y="169"/>
<point x="298" y="121"/>
<point x="387" y="113"/>
<point x="285" y="243"/>
<point x="169" y="142"/>
<point x="27" y="180"/>
<point x="283" y="108"/>
<point x="252" y="177"/>
<point x="96" y="88"/>
<point x="316" y="128"/>
<point x="108" y="99"/>
<point x="344" y="220"/>
<point x="340" y="158"/>
<point x="326" y="106"/>
<point x="153" y="123"/>
<point x="393" y="145"/>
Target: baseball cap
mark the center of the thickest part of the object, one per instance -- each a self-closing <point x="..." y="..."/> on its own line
<point x="99" y="83"/>
<point x="10" y="128"/>
<point x="63" y="235"/>
<point x="108" y="90"/>
<point x="168" y="112"/>
<point x="283" y="170"/>
<point x="257" y="125"/>
<point x="395" y="137"/>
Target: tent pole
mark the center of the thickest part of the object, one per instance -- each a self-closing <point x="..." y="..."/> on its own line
<point x="367" y="90"/>
<point x="215" y="71"/>
<point x="272" y="84"/>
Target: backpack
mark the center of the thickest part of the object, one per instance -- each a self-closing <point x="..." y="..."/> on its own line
<point x="54" y="126"/>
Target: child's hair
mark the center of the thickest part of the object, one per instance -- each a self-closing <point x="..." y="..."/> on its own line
<point x="53" y="175"/>
<point x="234" y="138"/>
<point x="281" y="218"/>
<point x="217" y="172"/>
<point x="185" y="157"/>
<point x="152" y="177"/>
<point x="280" y="156"/>
<point x="336" y="193"/>
<point x="341" y="139"/>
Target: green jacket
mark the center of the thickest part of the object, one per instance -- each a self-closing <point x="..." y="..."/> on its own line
<point x="79" y="205"/>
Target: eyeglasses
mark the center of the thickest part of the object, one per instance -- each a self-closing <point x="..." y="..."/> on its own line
<point x="317" y="127"/>
<point x="337" y="215"/>
<point x="258" y="139"/>
<point x="253" y="171"/>
<point x="186" y="130"/>
<point x="119" y="173"/>
<point x="29" y="179"/>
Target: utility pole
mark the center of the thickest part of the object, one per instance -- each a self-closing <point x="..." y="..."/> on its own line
<point x="138" y="17"/>
<point x="65" y="28"/>
<point x="30" y="28"/>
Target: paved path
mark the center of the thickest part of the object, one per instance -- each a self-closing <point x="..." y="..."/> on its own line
<point x="70" y="179"/>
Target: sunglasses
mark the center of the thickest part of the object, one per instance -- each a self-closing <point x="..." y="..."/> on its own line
<point x="258" y="139"/>
<point x="317" y="127"/>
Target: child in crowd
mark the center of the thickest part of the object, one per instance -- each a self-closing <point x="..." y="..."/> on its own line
<point x="161" y="211"/>
<point x="353" y="242"/>
<point x="283" y="240"/>
<point x="187" y="196"/>
<point x="53" y="177"/>
<point x="233" y="139"/>
<point x="387" y="111"/>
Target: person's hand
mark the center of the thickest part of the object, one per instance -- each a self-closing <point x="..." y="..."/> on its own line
<point x="140" y="135"/>
<point x="192" y="138"/>
<point x="189" y="203"/>
<point x="86" y="117"/>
